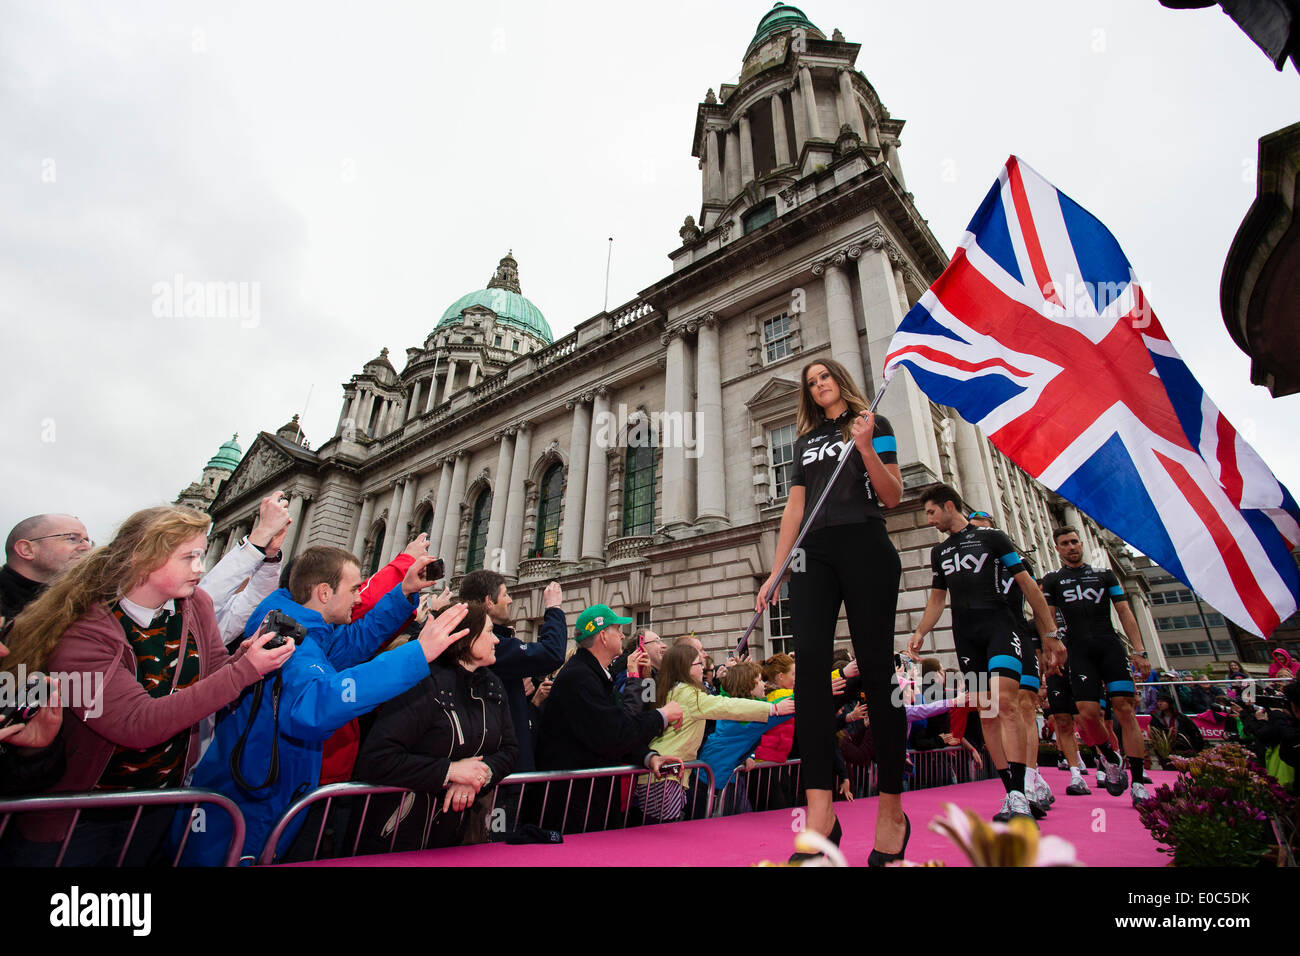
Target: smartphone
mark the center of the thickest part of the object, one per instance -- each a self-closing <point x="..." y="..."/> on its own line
<point x="640" y="643"/>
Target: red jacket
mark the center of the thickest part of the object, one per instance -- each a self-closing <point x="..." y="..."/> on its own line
<point x="339" y="754"/>
<point x="109" y="708"/>
<point x="775" y="745"/>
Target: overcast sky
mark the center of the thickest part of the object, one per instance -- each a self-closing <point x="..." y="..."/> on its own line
<point x="362" y="166"/>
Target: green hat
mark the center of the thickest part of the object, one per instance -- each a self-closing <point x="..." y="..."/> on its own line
<point x="594" y="620"/>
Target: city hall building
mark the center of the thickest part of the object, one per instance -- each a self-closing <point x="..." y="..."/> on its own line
<point x="643" y="460"/>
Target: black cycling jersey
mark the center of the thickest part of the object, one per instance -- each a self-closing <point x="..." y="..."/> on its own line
<point x="968" y="566"/>
<point x="1083" y="596"/>
<point x="816" y="453"/>
<point x="1015" y="597"/>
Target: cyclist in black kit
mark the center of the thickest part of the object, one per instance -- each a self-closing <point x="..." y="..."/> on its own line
<point x="847" y="558"/>
<point x="1036" y="788"/>
<point x="984" y="630"/>
<point x="1098" y="664"/>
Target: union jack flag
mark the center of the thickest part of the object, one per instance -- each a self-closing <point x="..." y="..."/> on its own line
<point x="1039" y="333"/>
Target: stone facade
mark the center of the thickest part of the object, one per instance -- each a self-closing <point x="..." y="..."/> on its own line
<point x="667" y="417"/>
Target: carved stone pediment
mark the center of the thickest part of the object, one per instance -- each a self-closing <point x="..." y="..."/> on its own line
<point x="782" y="391"/>
<point x="262" y="462"/>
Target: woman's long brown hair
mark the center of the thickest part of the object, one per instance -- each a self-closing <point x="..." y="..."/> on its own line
<point x="810" y="413"/>
<point x="142" y="545"/>
<point x="675" y="669"/>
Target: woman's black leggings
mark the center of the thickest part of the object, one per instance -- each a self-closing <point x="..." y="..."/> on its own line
<point x="855" y="565"/>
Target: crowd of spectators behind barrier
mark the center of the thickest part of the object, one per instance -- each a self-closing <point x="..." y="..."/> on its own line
<point x="179" y="681"/>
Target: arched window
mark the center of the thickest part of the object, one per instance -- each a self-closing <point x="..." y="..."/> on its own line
<point x="478" y="529"/>
<point x="425" y="526"/>
<point x="377" y="557"/>
<point x="547" y="544"/>
<point x="639" y="490"/>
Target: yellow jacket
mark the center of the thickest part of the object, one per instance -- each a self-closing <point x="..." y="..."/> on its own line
<point x="698" y="707"/>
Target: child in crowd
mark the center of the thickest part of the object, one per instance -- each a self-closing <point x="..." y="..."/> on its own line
<point x="680" y="680"/>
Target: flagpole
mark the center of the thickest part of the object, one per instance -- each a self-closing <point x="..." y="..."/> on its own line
<point x="807" y="523"/>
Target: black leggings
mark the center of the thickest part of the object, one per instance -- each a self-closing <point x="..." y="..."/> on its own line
<point x="857" y="565"/>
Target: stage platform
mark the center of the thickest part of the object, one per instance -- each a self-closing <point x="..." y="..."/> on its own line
<point x="1105" y="831"/>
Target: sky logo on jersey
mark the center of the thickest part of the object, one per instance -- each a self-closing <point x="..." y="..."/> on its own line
<point x="828" y="450"/>
<point x="1080" y="593"/>
<point x="963" y="562"/>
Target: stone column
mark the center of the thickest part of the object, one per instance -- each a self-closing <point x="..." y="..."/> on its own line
<point x="975" y="484"/>
<point x="900" y="284"/>
<point x="845" y="348"/>
<point x="746" y="151"/>
<point x="809" y="103"/>
<point x="800" y="121"/>
<point x="432" y="398"/>
<point x="451" y="377"/>
<point x="778" y="130"/>
<point x="367" y="409"/>
<point x="907" y="409"/>
<point x="891" y="157"/>
<point x="713" y="172"/>
<point x="343" y="414"/>
<point x="849" y="104"/>
<point x="295" y="527"/>
<point x="451" y="524"/>
<point x="512" y="537"/>
<point x="873" y="133"/>
<point x="595" y="515"/>
<point x="391" y="536"/>
<point x="354" y="408"/>
<point x="405" y="512"/>
<point x="711" y="477"/>
<point x="473" y="375"/>
<point x="440" y="507"/>
<point x="676" y="509"/>
<point x="733" y="163"/>
<point x="363" y="525"/>
<point x="575" y="493"/>
<point x="500" y="496"/>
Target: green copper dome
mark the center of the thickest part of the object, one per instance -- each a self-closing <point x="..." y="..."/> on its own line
<point x="780" y="18"/>
<point x="504" y="298"/>
<point x="227" y="457"/>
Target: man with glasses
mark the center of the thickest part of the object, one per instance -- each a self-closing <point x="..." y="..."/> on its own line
<point x="37" y="551"/>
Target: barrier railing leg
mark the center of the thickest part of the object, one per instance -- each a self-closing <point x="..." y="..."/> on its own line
<point x="76" y="817"/>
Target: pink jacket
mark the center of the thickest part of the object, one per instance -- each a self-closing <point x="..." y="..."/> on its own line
<point x="1285" y="666"/>
<point x="110" y="708"/>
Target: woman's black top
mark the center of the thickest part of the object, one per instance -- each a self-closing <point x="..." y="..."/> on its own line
<point x="816" y="453"/>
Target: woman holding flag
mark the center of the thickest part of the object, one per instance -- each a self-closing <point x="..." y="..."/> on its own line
<point x="847" y="559"/>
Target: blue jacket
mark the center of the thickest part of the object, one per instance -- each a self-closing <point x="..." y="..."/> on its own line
<point x="517" y="660"/>
<point x="731" y="742"/>
<point x="328" y="680"/>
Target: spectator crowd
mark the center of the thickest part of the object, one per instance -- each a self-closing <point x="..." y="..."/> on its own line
<point x="264" y="679"/>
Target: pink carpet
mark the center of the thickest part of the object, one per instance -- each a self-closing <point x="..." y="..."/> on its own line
<point x="1104" y="830"/>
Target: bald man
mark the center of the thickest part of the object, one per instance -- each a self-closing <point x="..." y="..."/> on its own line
<point x="37" y="551"/>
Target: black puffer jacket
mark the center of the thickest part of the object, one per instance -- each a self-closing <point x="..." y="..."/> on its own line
<point x="450" y="715"/>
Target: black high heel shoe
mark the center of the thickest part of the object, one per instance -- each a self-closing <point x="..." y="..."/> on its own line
<point x="834" y="836"/>
<point x="877" y="858"/>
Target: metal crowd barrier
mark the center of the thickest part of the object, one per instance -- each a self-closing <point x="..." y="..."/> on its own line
<point x="77" y="802"/>
<point x="943" y="767"/>
<point x="1251" y="687"/>
<point x="510" y="797"/>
